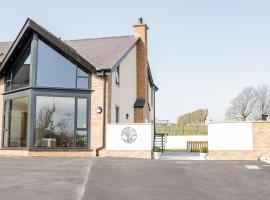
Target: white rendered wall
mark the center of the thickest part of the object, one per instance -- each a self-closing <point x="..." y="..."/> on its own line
<point x="144" y="140"/>
<point x="230" y="136"/>
<point x="180" y="142"/>
<point x="125" y="94"/>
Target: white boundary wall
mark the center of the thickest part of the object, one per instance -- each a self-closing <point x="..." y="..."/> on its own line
<point x="180" y="142"/>
<point x="230" y="136"/>
<point x="143" y="141"/>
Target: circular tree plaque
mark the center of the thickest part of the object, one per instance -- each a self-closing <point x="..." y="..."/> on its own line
<point x="129" y="135"/>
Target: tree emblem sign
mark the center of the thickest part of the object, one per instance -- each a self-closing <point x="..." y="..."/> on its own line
<point x="129" y="135"/>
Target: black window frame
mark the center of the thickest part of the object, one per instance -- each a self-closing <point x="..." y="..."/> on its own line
<point x="117" y="114"/>
<point x="33" y="90"/>
<point x="13" y="69"/>
<point x="39" y="93"/>
<point x="76" y="65"/>
<point x="9" y="97"/>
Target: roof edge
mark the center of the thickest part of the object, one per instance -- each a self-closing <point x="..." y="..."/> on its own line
<point x="31" y="25"/>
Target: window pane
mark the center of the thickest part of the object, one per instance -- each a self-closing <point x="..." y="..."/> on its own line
<point x="81" y="113"/>
<point x="81" y="72"/>
<point x="55" y="122"/>
<point x="18" y="122"/>
<point x="6" y="123"/>
<point x="81" y="139"/>
<point x="20" y="72"/>
<point x="8" y="81"/>
<point x="82" y="83"/>
<point x="117" y="75"/>
<point x="54" y="70"/>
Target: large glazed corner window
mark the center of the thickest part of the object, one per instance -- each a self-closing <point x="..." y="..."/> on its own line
<point x="55" y="70"/>
<point x="18" y="77"/>
<point x="56" y="122"/>
<point x="15" y="122"/>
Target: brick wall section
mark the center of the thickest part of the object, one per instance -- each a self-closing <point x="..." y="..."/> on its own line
<point x="261" y="146"/>
<point x="233" y="155"/>
<point x="261" y="138"/>
<point x="138" y="115"/>
<point x="96" y="122"/>
<point x="142" y="72"/>
<point x="25" y="153"/>
<point x="1" y="109"/>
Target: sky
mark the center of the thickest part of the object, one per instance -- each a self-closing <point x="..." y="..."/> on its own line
<point x="201" y="53"/>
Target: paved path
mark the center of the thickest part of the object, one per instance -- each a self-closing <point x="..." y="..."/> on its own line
<point x="132" y="179"/>
<point x="180" y="156"/>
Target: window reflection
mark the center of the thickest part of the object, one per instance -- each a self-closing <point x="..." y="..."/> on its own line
<point x="81" y="138"/>
<point x="82" y="113"/>
<point x="60" y="72"/>
<point x="55" y="121"/>
<point x="18" y="77"/>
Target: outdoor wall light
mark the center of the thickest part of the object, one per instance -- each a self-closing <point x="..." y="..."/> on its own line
<point x="127" y="116"/>
<point x="98" y="110"/>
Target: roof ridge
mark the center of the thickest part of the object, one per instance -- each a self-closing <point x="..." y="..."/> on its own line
<point x="96" y="38"/>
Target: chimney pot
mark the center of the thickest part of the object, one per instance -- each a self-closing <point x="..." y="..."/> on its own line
<point x="140" y="20"/>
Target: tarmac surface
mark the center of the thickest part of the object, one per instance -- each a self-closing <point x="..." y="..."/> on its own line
<point x="132" y="179"/>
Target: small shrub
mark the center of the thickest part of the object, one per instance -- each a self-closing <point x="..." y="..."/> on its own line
<point x="204" y="150"/>
<point x="157" y="149"/>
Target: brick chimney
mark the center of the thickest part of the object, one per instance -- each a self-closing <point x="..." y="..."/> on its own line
<point x="141" y="108"/>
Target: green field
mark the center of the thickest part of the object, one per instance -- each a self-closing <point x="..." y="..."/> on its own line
<point x="182" y="130"/>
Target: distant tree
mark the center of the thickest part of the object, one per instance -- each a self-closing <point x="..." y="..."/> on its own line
<point x="243" y="105"/>
<point x="262" y="106"/>
<point x="197" y="117"/>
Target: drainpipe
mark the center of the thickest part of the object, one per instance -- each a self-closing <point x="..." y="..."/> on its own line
<point x="104" y="114"/>
<point x="154" y="112"/>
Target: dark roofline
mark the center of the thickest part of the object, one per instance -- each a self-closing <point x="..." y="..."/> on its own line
<point x="151" y="81"/>
<point x="31" y="26"/>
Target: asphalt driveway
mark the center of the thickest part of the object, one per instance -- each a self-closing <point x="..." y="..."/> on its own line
<point x="132" y="179"/>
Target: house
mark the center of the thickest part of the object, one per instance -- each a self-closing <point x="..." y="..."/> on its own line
<point x="57" y="97"/>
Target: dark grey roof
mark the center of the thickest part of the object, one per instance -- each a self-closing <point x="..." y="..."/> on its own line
<point x="102" y="53"/>
<point x="139" y="103"/>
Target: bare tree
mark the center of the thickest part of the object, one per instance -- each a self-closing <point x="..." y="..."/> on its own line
<point x="197" y="117"/>
<point x="243" y="105"/>
<point x="262" y="106"/>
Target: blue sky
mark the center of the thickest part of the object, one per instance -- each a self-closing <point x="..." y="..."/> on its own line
<point x="202" y="53"/>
